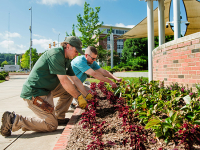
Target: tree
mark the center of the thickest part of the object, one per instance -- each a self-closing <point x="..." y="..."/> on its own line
<point x="4" y="63"/>
<point x="25" y="61"/>
<point x="89" y="26"/>
<point x="73" y="31"/>
<point x="131" y="46"/>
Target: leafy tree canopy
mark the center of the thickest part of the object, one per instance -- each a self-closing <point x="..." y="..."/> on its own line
<point x="131" y="46"/>
<point x="89" y="25"/>
<point x="4" y="63"/>
<point x="25" y="61"/>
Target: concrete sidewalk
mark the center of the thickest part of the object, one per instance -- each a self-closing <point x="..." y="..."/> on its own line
<point x="131" y="74"/>
<point x="10" y="101"/>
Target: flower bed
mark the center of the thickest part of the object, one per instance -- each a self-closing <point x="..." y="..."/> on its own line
<point x="110" y="122"/>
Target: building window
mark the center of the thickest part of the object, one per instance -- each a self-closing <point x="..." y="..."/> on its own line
<point x="119" y="31"/>
<point x="108" y="38"/>
<point x="119" y="46"/>
<point x="108" y="30"/>
<point x="108" y="46"/>
<point x="120" y="40"/>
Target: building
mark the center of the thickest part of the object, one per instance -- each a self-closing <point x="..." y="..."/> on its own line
<point x="117" y="32"/>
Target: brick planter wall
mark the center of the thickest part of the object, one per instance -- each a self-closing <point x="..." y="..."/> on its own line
<point x="178" y="61"/>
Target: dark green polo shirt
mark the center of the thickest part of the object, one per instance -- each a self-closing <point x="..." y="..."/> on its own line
<point x="43" y="77"/>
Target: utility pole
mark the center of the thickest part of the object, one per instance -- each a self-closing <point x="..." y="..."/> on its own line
<point x="30" y="28"/>
<point x="58" y="39"/>
<point x="112" y="47"/>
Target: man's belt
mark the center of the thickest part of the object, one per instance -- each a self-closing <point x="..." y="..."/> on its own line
<point x="43" y="104"/>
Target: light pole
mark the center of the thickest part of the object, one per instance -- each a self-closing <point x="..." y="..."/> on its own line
<point x="58" y="39"/>
<point x="30" y="28"/>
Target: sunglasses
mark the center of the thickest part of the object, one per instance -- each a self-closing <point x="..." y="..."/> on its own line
<point x="92" y="57"/>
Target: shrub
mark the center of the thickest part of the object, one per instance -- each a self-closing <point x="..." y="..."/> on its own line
<point x="3" y="74"/>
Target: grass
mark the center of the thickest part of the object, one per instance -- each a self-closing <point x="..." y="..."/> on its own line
<point x="138" y="71"/>
<point x="131" y="79"/>
<point x="2" y="81"/>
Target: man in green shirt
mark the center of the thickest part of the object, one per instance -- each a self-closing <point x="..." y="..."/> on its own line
<point x="52" y="76"/>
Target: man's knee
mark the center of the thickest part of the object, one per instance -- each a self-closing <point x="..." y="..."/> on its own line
<point x="52" y="126"/>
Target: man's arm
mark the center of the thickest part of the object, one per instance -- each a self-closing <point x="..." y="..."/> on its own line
<point x="108" y="74"/>
<point x="100" y="77"/>
<point x="79" y="85"/>
<point x="68" y="86"/>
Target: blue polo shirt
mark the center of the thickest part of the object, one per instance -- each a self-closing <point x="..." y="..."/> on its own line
<point x="80" y="66"/>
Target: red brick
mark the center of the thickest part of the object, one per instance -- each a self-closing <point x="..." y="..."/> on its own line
<point x="175" y="46"/>
<point x="196" y="68"/>
<point x="195" y="76"/>
<point x="192" y="64"/>
<point x="181" y="69"/>
<point x="187" y="76"/>
<point x="188" y="68"/>
<point x="191" y="55"/>
<point x="197" y="55"/>
<point x="180" y="45"/>
<point x="57" y="148"/>
<point x="191" y="47"/>
<point x="184" y="64"/>
<point x="188" y="60"/>
<point x="184" y="56"/>
<point x="187" y="43"/>
<point x="184" y="72"/>
<point x="195" y="41"/>
<point x="192" y="81"/>
<point x="192" y="72"/>
<point x="61" y="145"/>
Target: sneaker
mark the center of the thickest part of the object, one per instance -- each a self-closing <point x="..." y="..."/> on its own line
<point x="7" y="121"/>
<point x="63" y="121"/>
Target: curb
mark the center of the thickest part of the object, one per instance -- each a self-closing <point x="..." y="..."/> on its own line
<point x="63" y="139"/>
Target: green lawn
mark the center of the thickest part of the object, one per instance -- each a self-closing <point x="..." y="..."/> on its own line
<point x="2" y="81"/>
<point x="138" y="71"/>
<point x="131" y="79"/>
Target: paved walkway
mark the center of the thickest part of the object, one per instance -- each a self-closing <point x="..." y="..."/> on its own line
<point x="131" y="74"/>
<point x="10" y="101"/>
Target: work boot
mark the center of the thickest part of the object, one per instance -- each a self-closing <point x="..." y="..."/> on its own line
<point x="7" y="122"/>
<point x="63" y="121"/>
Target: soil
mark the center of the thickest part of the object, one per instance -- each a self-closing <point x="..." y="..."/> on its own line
<point x="114" y="132"/>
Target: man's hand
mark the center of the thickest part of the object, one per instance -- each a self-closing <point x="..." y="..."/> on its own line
<point x="113" y="84"/>
<point x="82" y="102"/>
<point x="118" y="79"/>
<point x="89" y="96"/>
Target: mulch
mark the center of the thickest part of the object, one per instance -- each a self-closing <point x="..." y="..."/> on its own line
<point x="114" y="133"/>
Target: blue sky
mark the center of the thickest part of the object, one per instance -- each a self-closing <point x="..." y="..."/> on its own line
<point x="53" y="17"/>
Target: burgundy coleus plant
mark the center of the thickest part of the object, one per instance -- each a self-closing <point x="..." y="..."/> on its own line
<point x="188" y="135"/>
<point x="137" y="135"/>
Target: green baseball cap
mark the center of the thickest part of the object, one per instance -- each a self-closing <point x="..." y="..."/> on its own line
<point x="75" y="42"/>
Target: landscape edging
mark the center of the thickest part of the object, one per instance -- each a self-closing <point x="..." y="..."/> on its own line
<point x="63" y="139"/>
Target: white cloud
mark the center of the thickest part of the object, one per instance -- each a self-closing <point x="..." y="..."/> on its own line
<point x="39" y="36"/>
<point x="122" y="25"/>
<point x="60" y="2"/>
<point x="7" y="35"/>
<point x="43" y="43"/>
<point x="11" y="47"/>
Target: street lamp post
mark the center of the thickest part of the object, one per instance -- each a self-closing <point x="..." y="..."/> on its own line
<point x="58" y="39"/>
<point x="30" y="28"/>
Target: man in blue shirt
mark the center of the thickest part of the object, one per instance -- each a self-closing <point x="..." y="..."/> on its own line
<point x="86" y="65"/>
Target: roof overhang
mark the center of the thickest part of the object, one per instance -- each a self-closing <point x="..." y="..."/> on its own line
<point x="193" y="16"/>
